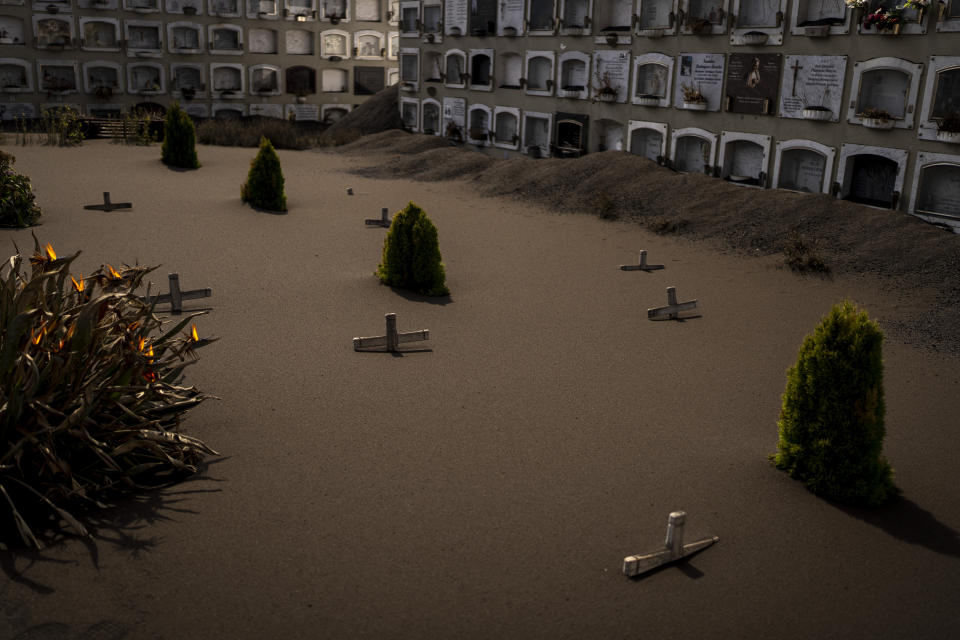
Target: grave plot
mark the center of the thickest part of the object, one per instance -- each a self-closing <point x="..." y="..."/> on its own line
<point x="184" y="37"/>
<point x="692" y="150"/>
<point x="885" y="91"/>
<point x="576" y="17"/>
<point x="611" y="73"/>
<point x="647" y="139"/>
<point x="572" y="80"/>
<point x="936" y="189"/>
<point x="455" y="119"/>
<point x="656" y="18"/>
<point x="541" y="17"/>
<point x="265" y="80"/>
<point x="368" y="80"/>
<point x="430" y="117"/>
<point x="53" y="33"/>
<point x="539" y="79"/>
<point x="11" y="30"/>
<point x="298" y="42"/>
<point x="225" y="39"/>
<point x="188" y="80"/>
<point x="757" y="22"/>
<point x="410" y="113"/>
<point x="334" y="81"/>
<point x="609" y="135"/>
<point x="100" y="34"/>
<point x="753" y="80"/>
<point x="571" y="134"/>
<point x="653" y="76"/>
<point x="143" y="38"/>
<point x="455" y="69"/>
<point x="102" y="79"/>
<point x="744" y="158"/>
<point x="481" y="69"/>
<point x="57" y="77"/>
<point x="506" y="127"/>
<point x="702" y="74"/>
<point x="812" y="87"/>
<point x="483" y="17"/>
<point x="536" y="134"/>
<point x="510" y="18"/>
<point x="409" y="69"/>
<point x="263" y="41"/>
<point x="940" y="117"/>
<point x="15" y="76"/>
<point x="511" y="70"/>
<point x="227" y="80"/>
<point x="871" y="175"/>
<point x="369" y="45"/>
<point x="803" y="165"/>
<point x="704" y="17"/>
<point x="820" y="18"/>
<point x="478" y="130"/>
<point x="455" y="17"/>
<point x="333" y="44"/>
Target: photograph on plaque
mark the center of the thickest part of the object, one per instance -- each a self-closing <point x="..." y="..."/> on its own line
<point x="699" y="80"/>
<point x="812" y="87"/>
<point x="752" y="82"/>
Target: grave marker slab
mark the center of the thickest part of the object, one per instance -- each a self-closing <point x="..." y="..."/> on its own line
<point x="393" y="338"/>
<point x="674" y="548"/>
<point x="642" y="266"/>
<point x="382" y="221"/>
<point x="176" y="296"/>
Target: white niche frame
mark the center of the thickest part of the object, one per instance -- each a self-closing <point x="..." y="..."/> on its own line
<point x="648" y="59"/>
<point x="474" y="53"/>
<point x="912" y="69"/>
<point x="159" y="88"/>
<point x="841" y="186"/>
<point x="42" y="42"/>
<point x="728" y="138"/>
<point x="695" y="132"/>
<point x="113" y="22"/>
<point x="415" y="104"/>
<point x="484" y="140"/>
<point x="926" y="160"/>
<point x="278" y="74"/>
<point x="143" y="52"/>
<point x="224" y="26"/>
<point x="329" y="54"/>
<point x="829" y="155"/>
<point x="182" y="24"/>
<point x="818" y="31"/>
<point x="410" y="84"/>
<point x="431" y="102"/>
<point x="177" y="90"/>
<point x="928" y="128"/>
<point x="644" y="125"/>
<point x="551" y="57"/>
<point x="543" y="149"/>
<point x="455" y="83"/>
<point x="580" y="56"/>
<point x="512" y="111"/>
<point x="88" y="86"/>
<point x="750" y="34"/>
<point x="417" y="25"/>
<point x="380" y="52"/>
<point x="233" y="93"/>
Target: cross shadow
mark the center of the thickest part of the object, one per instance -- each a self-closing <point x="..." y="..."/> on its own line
<point x="905" y="520"/>
<point x="417" y="297"/>
<point x="677" y="319"/>
<point x="683" y="565"/>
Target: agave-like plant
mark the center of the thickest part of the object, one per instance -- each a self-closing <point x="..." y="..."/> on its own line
<point x="90" y="390"/>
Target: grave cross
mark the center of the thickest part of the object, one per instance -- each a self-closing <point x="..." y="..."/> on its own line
<point x="393" y="339"/>
<point x="383" y="221"/>
<point x="796" y="69"/>
<point x="674" y="548"/>
<point x="642" y="266"/>
<point x="176" y="297"/>
<point x="107" y="205"/>
<point x="673" y="307"/>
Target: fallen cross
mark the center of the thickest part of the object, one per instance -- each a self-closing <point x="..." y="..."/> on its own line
<point x="674" y="548"/>
<point x="107" y="205"/>
<point x="643" y="266"/>
<point x="393" y="338"/>
<point x="673" y="307"/>
<point x="383" y="221"/>
<point x="176" y="297"/>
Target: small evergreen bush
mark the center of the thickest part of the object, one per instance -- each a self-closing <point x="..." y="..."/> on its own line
<point x="179" y="139"/>
<point x="18" y="207"/>
<point x="831" y="425"/>
<point x="411" y="254"/>
<point x="264" y="185"/>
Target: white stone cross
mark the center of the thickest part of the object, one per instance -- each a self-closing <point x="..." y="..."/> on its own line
<point x="673" y="550"/>
<point x="176" y="297"/>
<point x="107" y="205"/>
<point x="642" y="266"/>
<point x="673" y="307"/>
<point x="382" y="221"/>
<point x="393" y="339"/>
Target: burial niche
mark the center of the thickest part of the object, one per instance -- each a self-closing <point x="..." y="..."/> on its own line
<point x="334" y="44"/>
<point x="409" y="113"/>
<point x="647" y="142"/>
<point x="188" y="80"/>
<point x="759" y="13"/>
<point x="264" y="8"/>
<point x="821" y="13"/>
<point x="11" y="30"/>
<point x="541" y="15"/>
<point x="511" y="70"/>
<point x="609" y="135"/>
<point x="802" y="170"/>
<point x="334" y="9"/>
<point x="54" y="33"/>
<point x="143" y="37"/>
<point x="692" y="154"/>
<point x="539" y="72"/>
<point x="410" y="67"/>
<point x="265" y="80"/>
<point x="870" y="180"/>
<point x="655" y="16"/>
<point x="571" y="135"/>
<point x="574" y="68"/>
<point x="145" y="79"/>
<point x="409" y="19"/>
<point x="938" y="190"/>
<point x="225" y="39"/>
<point x="483" y="17"/>
<point x="946" y="94"/>
<point x="536" y="135"/>
<point x="300" y="42"/>
<point x="703" y="15"/>
<point x="506" y="128"/>
<point x="369" y="44"/>
<point x="225" y="8"/>
<point x="367" y="80"/>
<point x="651" y="82"/>
<point x="480" y="70"/>
<point x="262" y="41"/>
<point x="433" y="67"/>
<point x="227" y="79"/>
<point x="13" y="75"/>
<point x="883" y="90"/>
<point x="142" y="5"/>
<point x="99" y="34"/>
<point x="103" y="81"/>
<point x="367" y="10"/>
<point x="744" y="162"/>
<point x="432" y="21"/>
<point x="333" y="114"/>
<point x="185" y="38"/>
<point x="334" y="80"/>
<point x="576" y="16"/>
<point x="478" y="124"/>
<point x="455" y="65"/>
<point x="431" y="118"/>
<point x="615" y="15"/>
<point x="301" y="80"/>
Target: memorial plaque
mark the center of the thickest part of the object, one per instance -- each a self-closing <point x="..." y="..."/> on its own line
<point x="334" y="44"/>
<point x="655" y="14"/>
<point x="612" y="68"/>
<point x="703" y="72"/>
<point x="802" y="170"/>
<point x="369" y="80"/>
<point x="647" y="143"/>
<point x="455" y="17"/>
<point x="510" y="16"/>
<point x="14" y="110"/>
<point x="692" y="154"/>
<point x="752" y="82"/>
<point x="939" y="189"/>
<point x="262" y="41"/>
<point x="302" y="112"/>
<point x="267" y="110"/>
<point x="812" y="82"/>
<point x="299" y="42"/>
<point x="196" y="110"/>
<point x="367" y="10"/>
<point x="454" y="115"/>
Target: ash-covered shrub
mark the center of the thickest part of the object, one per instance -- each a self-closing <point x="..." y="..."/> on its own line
<point x="18" y="207"/>
<point x="411" y="254"/>
<point x="264" y="185"/>
<point x="91" y="396"/>
<point x="179" y="139"/>
<point x="831" y="424"/>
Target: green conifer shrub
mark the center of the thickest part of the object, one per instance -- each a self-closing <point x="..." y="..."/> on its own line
<point x="179" y="139"/>
<point x="831" y="425"/>
<point x="264" y="185"/>
<point x="18" y="207"/>
<point x="411" y="254"/>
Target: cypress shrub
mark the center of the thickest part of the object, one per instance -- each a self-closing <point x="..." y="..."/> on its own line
<point x="264" y="185"/>
<point x="411" y="254"/>
<point x="18" y="207"/>
<point x="831" y="424"/>
<point x="179" y="139"/>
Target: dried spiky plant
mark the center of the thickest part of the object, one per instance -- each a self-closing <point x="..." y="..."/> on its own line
<point x="90" y="393"/>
